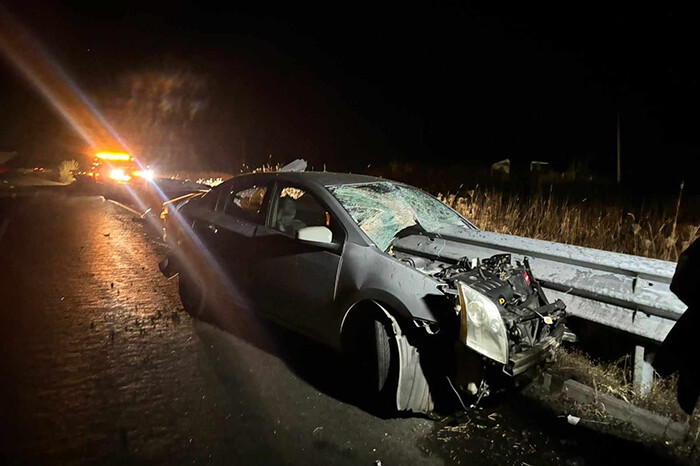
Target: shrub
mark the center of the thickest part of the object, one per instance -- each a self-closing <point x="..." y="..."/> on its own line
<point x="66" y="169"/>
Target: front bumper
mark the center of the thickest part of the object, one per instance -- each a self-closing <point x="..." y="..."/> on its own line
<point x="542" y="351"/>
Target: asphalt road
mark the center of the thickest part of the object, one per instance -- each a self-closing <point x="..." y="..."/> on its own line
<point x="100" y="364"/>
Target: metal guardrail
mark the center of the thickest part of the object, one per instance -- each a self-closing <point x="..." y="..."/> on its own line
<point x="620" y="291"/>
<point x="627" y="293"/>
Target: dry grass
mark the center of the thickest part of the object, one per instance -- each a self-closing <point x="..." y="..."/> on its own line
<point x="648" y="233"/>
<point x="195" y="175"/>
<point x="615" y="378"/>
<point x="210" y="181"/>
<point x="66" y="170"/>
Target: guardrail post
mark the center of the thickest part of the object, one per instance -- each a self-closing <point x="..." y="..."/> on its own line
<point x="643" y="374"/>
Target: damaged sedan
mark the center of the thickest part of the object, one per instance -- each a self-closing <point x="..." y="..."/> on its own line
<point x="347" y="260"/>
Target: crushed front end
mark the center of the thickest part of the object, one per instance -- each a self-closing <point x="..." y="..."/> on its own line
<point x="503" y="313"/>
<point x="502" y="322"/>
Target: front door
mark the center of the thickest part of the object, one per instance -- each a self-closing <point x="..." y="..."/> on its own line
<point x="295" y="280"/>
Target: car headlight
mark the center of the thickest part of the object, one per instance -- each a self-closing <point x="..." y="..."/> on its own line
<point x="145" y="174"/>
<point x="119" y="175"/>
<point x="482" y="327"/>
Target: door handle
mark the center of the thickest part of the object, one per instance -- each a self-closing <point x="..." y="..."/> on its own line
<point x="213" y="228"/>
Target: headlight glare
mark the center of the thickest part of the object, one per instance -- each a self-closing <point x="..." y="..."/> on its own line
<point x="118" y="174"/>
<point x="145" y="174"/>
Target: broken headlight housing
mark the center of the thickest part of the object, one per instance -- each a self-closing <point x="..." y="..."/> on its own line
<point x="482" y="327"/>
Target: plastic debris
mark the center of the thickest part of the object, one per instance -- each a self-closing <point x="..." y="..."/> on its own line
<point x="573" y="420"/>
<point x="299" y="165"/>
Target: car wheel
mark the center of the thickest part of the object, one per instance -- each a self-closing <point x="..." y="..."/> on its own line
<point x="385" y="354"/>
<point x="390" y="367"/>
<point x="191" y="295"/>
<point x="374" y="355"/>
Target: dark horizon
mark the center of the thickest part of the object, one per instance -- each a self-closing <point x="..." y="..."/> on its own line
<point x="437" y="85"/>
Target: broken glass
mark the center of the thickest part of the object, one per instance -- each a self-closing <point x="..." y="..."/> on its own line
<point x="382" y="209"/>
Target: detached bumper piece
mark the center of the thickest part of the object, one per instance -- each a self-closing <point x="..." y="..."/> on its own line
<point x="524" y="360"/>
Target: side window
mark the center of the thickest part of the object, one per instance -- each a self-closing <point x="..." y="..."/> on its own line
<point x="247" y="204"/>
<point x="294" y="209"/>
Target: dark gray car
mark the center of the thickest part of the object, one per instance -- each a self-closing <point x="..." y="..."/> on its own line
<point x="349" y="260"/>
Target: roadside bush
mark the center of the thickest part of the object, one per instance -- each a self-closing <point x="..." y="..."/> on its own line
<point x="66" y="169"/>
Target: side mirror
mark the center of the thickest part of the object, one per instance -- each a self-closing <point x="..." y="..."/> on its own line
<point x="315" y="235"/>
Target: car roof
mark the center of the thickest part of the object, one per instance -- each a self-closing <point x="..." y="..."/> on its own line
<point x="318" y="178"/>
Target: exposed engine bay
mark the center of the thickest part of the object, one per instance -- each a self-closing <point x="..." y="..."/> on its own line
<point x="503" y="311"/>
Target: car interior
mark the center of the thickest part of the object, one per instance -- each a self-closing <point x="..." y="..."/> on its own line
<point x="297" y="210"/>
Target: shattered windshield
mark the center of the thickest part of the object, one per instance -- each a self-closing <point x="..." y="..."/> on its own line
<point x="382" y="209"/>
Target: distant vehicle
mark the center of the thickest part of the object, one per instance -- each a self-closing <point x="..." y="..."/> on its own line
<point x="118" y="168"/>
<point x="346" y="260"/>
<point x="38" y="169"/>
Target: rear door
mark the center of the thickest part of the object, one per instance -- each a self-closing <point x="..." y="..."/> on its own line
<point x="229" y="234"/>
<point x="295" y="280"/>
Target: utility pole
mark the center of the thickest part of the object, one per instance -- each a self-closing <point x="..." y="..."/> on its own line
<point x="619" y="162"/>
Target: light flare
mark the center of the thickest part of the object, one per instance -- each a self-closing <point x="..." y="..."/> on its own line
<point x="118" y="174"/>
<point x="145" y="174"/>
<point x="113" y="156"/>
<point x="52" y="82"/>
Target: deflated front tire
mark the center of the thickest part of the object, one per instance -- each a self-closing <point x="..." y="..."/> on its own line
<point x="388" y="366"/>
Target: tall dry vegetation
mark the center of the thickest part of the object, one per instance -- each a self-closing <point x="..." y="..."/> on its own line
<point x="643" y="232"/>
<point x="66" y="170"/>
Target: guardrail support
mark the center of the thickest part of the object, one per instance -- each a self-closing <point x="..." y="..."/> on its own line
<point x="643" y="374"/>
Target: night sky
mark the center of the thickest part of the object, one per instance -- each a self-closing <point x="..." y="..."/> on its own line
<point x="350" y="84"/>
